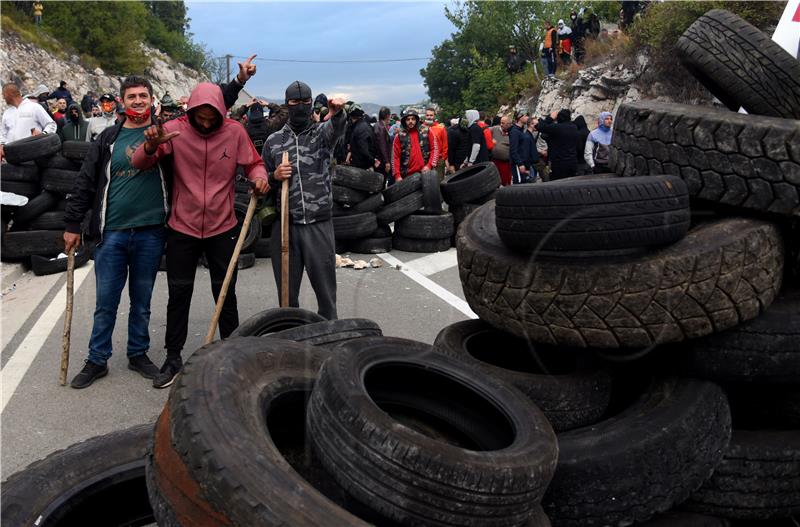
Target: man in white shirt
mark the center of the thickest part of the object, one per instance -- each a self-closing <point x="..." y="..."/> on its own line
<point x="108" y="105"/>
<point x="23" y="118"/>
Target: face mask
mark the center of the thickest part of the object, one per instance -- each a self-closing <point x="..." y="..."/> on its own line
<point x="137" y="118"/>
<point x="429" y="122"/>
<point x="299" y="115"/>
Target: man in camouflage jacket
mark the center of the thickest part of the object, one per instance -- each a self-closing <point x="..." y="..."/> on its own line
<point x="310" y="146"/>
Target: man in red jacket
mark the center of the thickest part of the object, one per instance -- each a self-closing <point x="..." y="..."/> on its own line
<point x="415" y="148"/>
<point x="206" y="148"/>
<point x="440" y="134"/>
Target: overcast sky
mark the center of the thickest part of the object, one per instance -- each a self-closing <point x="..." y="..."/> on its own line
<point x="327" y="31"/>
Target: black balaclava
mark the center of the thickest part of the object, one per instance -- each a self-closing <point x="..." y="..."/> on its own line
<point x="563" y="116"/>
<point x="299" y="114"/>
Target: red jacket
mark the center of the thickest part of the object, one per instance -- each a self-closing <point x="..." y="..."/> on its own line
<point x="487" y="134"/>
<point x="205" y="168"/>
<point x="416" y="163"/>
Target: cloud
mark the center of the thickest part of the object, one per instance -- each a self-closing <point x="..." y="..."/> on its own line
<point x="391" y="94"/>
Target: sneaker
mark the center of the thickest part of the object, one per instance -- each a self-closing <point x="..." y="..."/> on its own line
<point x="169" y="371"/>
<point x="88" y="374"/>
<point x="143" y="365"/>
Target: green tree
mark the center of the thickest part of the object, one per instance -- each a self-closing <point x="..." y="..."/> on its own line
<point x="171" y="13"/>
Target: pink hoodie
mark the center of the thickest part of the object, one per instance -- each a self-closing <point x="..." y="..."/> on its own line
<point x="205" y="168"/>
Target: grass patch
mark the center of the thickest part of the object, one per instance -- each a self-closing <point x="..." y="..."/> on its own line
<point x="11" y="22"/>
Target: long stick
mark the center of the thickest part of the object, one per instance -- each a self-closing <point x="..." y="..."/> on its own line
<point x="212" y="327"/>
<point x="67" y="318"/>
<point x="285" y="238"/>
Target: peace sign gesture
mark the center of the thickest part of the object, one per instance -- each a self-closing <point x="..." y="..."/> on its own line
<point x="246" y="69"/>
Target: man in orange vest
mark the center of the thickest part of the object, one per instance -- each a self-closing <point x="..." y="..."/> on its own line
<point x="439" y="133"/>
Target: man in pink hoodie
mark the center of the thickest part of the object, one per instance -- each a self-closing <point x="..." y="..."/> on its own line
<point x="206" y="148"/>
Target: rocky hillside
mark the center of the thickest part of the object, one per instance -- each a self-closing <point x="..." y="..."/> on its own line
<point x="29" y="65"/>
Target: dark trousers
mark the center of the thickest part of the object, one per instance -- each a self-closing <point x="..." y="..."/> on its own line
<point x="601" y="169"/>
<point x="183" y="253"/>
<point x="311" y="247"/>
<point x="550" y="54"/>
<point x="560" y="170"/>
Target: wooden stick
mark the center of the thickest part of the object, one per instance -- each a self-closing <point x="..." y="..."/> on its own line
<point x="67" y="318"/>
<point x="212" y="327"/>
<point x="285" y="238"/>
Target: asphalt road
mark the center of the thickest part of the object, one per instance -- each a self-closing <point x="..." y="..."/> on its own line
<point x="39" y="416"/>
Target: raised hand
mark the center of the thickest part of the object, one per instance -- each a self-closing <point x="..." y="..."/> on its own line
<point x="246" y="69"/>
<point x="154" y="136"/>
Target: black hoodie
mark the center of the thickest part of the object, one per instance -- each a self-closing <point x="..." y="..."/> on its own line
<point x="75" y="130"/>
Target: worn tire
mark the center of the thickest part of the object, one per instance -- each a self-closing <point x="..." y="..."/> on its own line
<point x="274" y="320"/>
<point x="357" y="178"/>
<point x="765" y="407"/>
<point x="246" y="261"/>
<point x="30" y="148"/>
<point x="102" y="477"/>
<point x="593" y="214"/>
<point x="431" y="193"/>
<point x="403" y="188"/>
<point x="211" y="453"/>
<point x="748" y="161"/>
<point x="49" y="221"/>
<point x="684" y="519"/>
<point x="415" y="245"/>
<point x="723" y="273"/>
<point x="23" y="188"/>
<point x="764" y="350"/>
<point x="27" y="243"/>
<point x="460" y="212"/>
<point x="262" y="248"/>
<point x="642" y="461"/>
<point x="425" y="226"/>
<point x="253" y="233"/>
<point x="58" y="161"/>
<point x="371" y="245"/>
<point x="57" y="180"/>
<point x="758" y="479"/>
<point x="329" y="333"/>
<point x="371" y="204"/>
<point x="348" y="196"/>
<point x="741" y="65"/>
<point x="569" y="392"/>
<point x="76" y="150"/>
<point x="28" y="173"/>
<point x="37" y="206"/>
<point x="42" y="265"/>
<point x="471" y="183"/>
<point x="399" y="209"/>
<point x="354" y="226"/>
<point x="496" y="478"/>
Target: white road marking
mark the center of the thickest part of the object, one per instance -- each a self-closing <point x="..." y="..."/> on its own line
<point x="435" y="262"/>
<point x="19" y="363"/>
<point x="429" y="284"/>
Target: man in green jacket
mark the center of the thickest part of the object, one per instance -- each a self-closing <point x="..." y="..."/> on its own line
<point x="75" y="128"/>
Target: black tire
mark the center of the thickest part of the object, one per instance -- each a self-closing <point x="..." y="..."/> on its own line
<point x="58" y="161"/>
<point x="348" y="196"/>
<point x="383" y="231"/>
<point x="246" y="261"/>
<point x="747" y="161"/>
<point x="27" y="243"/>
<point x="329" y="333"/>
<point x="41" y="265"/>
<point x="741" y="66"/>
<point x="593" y="214"/>
<point x="401" y="208"/>
<point x="762" y="407"/>
<point x="76" y="150"/>
<point x="371" y="245"/>
<point x="569" y="388"/>
<point x="30" y="148"/>
<point x="402" y="188"/>
<point x="102" y="477"/>
<point x="764" y="350"/>
<point x="431" y="193"/>
<point x="642" y="461"/>
<point x="404" y="473"/>
<point x="358" y="179"/>
<point x="253" y="233"/>
<point x="57" y="180"/>
<point x="470" y="183"/>
<point x="340" y="210"/>
<point x="371" y="204"/>
<point x="460" y="212"/>
<point x="37" y="206"/>
<point x="415" y="245"/>
<point x="28" y="173"/>
<point x="274" y="320"/>
<point x="425" y="226"/>
<point x="684" y="519"/>
<point x="262" y="248"/>
<point x="23" y="188"/>
<point x="240" y="460"/>
<point x="49" y="221"/>
<point x="687" y="290"/>
<point x="758" y="479"/>
<point x="354" y="226"/>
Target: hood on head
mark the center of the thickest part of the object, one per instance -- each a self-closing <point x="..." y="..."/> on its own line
<point x="560" y="22"/>
<point x="76" y="106"/>
<point x="472" y="116"/>
<point x="207" y="93"/>
<point x="580" y="122"/>
<point x="602" y="118"/>
<point x="564" y="116"/>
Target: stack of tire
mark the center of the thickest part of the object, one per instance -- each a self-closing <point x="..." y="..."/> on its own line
<point x="356" y="198"/>
<point x="44" y="170"/>
<point x="468" y="189"/>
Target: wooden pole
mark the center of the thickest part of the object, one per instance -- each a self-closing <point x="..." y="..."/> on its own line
<point x="285" y="238"/>
<point x="67" y="318"/>
<point x="212" y="327"/>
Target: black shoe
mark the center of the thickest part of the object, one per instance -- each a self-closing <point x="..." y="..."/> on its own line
<point x="88" y="374"/>
<point x="170" y="370"/>
<point x="143" y="365"/>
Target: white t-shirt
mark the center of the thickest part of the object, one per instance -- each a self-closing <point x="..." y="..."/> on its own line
<point x="18" y="122"/>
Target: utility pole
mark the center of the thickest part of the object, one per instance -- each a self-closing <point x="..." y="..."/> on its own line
<point x="228" y="67"/>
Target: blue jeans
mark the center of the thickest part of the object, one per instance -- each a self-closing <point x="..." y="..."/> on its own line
<point x="137" y="251"/>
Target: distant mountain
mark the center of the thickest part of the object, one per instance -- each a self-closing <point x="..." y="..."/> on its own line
<point x="368" y="107"/>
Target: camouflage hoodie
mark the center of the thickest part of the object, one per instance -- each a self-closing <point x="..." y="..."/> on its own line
<point x="310" y="196"/>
